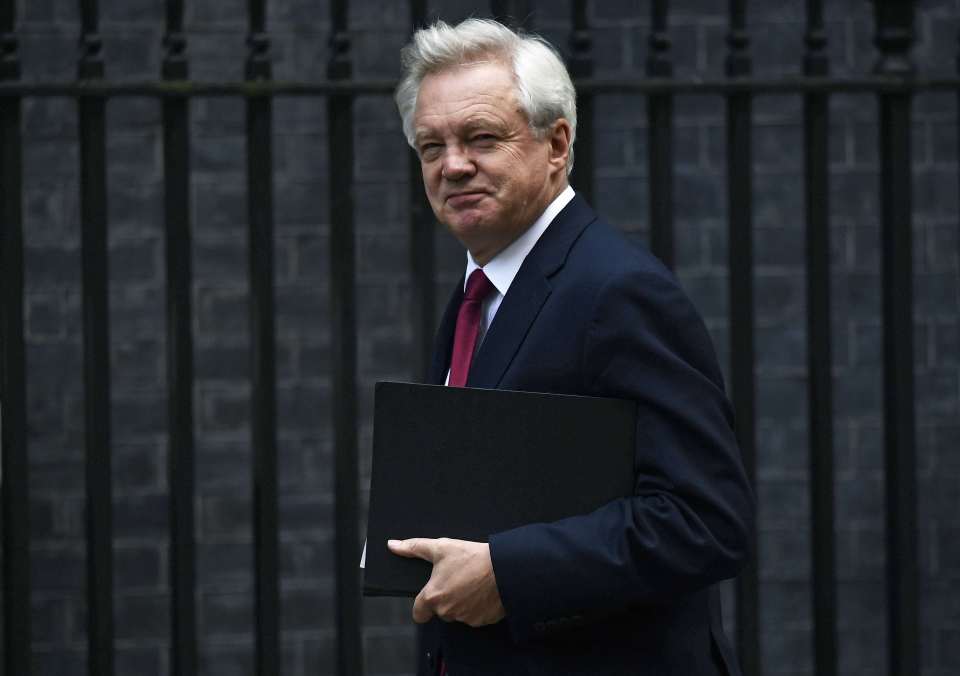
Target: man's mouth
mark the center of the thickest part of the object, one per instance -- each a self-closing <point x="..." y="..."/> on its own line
<point x="465" y="198"/>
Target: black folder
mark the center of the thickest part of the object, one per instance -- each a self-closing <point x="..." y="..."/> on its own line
<point x="466" y="463"/>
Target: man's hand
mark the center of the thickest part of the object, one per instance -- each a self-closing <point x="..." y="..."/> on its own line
<point x="462" y="586"/>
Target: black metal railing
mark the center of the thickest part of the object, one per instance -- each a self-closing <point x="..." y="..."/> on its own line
<point x="894" y="37"/>
<point x="262" y="332"/>
<point x="180" y="373"/>
<point x="96" y="349"/>
<point x="13" y="383"/>
<point x="344" y="353"/>
<point x="894" y="83"/>
<point x="819" y="345"/>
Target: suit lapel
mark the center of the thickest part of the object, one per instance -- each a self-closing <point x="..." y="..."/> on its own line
<point x="510" y="325"/>
<point x="528" y="292"/>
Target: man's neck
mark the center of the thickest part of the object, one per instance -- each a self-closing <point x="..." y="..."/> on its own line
<point x="502" y="268"/>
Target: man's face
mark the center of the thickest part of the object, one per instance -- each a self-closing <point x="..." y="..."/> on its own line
<point x="486" y="175"/>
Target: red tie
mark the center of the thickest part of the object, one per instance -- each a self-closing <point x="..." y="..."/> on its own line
<point x="465" y="342"/>
<point x="468" y="327"/>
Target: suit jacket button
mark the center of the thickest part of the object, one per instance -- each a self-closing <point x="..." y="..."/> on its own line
<point x="431" y="662"/>
<point x="539" y="627"/>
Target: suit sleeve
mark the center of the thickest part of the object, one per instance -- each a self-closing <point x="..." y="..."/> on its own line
<point x="688" y="522"/>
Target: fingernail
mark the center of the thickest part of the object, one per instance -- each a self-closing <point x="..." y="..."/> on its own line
<point x="393" y="543"/>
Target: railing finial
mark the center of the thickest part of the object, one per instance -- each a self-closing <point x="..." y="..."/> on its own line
<point x="258" y="44"/>
<point x="894" y="37"/>
<point x="658" y="59"/>
<point x="340" y="65"/>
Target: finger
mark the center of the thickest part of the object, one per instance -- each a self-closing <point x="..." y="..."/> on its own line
<point x="419" y="548"/>
<point x="422" y="612"/>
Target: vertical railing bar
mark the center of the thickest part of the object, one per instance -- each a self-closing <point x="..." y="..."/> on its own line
<point x="263" y="365"/>
<point x="14" y="479"/>
<point x="581" y="66"/>
<point x="344" y="330"/>
<point x="175" y="20"/>
<point x="180" y="448"/>
<point x="740" y="248"/>
<point x="660" y="138"/>
<point x="89" y="17"/>
<point x="96" y="343"/>
<point x="894" y="38"/>
<point x="422" y="249"/>
<point x="819" y="359"/>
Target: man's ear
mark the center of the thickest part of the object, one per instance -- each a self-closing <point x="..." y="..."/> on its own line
<point x="559" y="137"/>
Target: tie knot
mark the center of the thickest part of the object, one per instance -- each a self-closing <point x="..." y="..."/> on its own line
<point x="478" y="286"/>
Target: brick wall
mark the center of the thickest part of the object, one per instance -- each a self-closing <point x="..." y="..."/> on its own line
<point x="132" y="31"/>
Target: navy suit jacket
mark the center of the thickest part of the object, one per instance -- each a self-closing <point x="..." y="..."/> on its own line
<point x="627" y="589"/>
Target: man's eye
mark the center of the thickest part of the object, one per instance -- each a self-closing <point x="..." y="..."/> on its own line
<point x="429" y="149"/>
<point x="484" y="138"/>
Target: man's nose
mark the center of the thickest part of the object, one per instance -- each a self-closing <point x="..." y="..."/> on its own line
<point x="457" y="165"/>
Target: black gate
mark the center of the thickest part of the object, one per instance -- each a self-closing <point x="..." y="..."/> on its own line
<point x="893" y="82"/>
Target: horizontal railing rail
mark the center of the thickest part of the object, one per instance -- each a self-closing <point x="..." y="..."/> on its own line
<point x="894" y="82"/>
<point x="757" y="86"/>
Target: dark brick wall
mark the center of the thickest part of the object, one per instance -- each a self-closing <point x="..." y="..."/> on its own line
<point x="132" y="30"/>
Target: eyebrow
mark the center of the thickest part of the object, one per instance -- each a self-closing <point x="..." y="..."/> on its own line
<point x="420" y="134"/>
<point x="477" y="122"/>
<point x="471" y="124"/>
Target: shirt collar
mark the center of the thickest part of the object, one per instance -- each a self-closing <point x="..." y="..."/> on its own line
<point x="502" y="268"/>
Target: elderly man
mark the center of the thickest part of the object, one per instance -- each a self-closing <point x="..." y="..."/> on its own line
<point x="556" y="300"/>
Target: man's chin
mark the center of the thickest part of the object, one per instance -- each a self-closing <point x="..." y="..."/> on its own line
<point x="466" y="222"/>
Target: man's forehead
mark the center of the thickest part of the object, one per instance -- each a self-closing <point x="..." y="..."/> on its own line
<point x="472" y="93"/>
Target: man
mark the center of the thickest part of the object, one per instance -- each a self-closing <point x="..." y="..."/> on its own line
<point x="555" y="300"/>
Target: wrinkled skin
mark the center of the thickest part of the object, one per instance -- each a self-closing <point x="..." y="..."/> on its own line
<point x="487" y="175"/>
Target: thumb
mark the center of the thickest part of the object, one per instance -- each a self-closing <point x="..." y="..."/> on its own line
<point x="415" y="548"/>
<point x="422" y="612"/>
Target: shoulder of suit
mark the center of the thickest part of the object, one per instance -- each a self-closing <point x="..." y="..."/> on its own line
<point x="606" y="249"/>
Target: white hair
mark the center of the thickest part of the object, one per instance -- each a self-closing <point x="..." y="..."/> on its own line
<point x="543" y="86"/>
